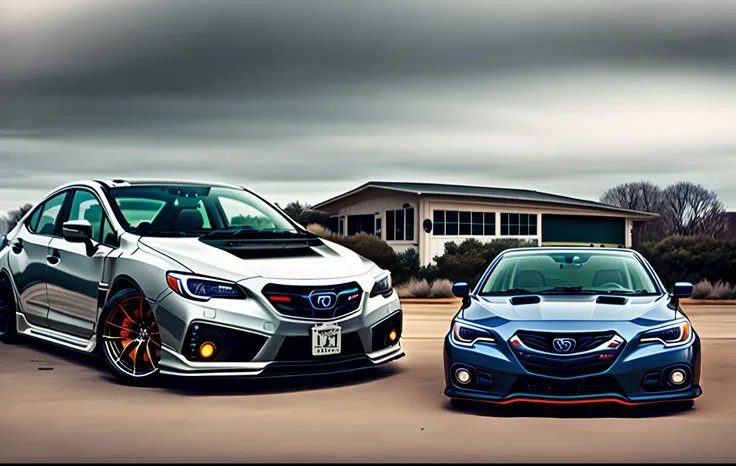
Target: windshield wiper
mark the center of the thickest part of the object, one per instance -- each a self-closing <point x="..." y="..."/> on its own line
<point x="509" y="291"/>
<point x="247" y="232"/>
<point x="567" y="289"/>
<point x="162" y="233"/>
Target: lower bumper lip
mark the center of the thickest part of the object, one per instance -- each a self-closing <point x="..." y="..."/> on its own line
<point x="573" y="402"/>
<point x="178" y="366"/>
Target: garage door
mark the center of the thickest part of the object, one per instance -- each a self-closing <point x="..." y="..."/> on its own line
<point x="569" y="230"/>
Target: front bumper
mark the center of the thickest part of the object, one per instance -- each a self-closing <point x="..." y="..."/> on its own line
<point x="281" y="343"/>
<point x="500" y="378"/>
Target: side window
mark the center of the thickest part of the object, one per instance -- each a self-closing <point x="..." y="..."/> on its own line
<point x="108" y="234"/>
<point x="43" y="222"/>
<point x="85" y="206"/>
<point x="33" y="221"/>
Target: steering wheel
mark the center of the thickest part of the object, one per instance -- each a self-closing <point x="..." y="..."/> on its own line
<point x="613" y="285"/>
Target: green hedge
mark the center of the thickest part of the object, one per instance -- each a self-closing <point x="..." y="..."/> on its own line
<point x="692" y="259"/>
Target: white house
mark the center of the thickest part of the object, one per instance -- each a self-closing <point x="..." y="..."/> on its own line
<point x="425" y="216"/>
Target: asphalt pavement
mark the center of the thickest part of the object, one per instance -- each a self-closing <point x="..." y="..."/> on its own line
<point x="60" y="406"/>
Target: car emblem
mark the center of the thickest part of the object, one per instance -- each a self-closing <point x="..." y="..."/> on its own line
<point x="563" y="345"/>
<point x="323" y="300"/>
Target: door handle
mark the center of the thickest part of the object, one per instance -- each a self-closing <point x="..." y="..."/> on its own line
<point x="53" y="258"/>
<point x="17" y="246"/>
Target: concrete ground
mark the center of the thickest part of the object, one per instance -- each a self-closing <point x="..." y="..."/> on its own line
<point x="59" y="406"/>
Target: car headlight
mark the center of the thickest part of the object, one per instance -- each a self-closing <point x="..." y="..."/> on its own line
<point x="383" y="286"/>
<point x="202" y="288"/>
<point x="467" y="335"/>
<point x="672" y="335"/>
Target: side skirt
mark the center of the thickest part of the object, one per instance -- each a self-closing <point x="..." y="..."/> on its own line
<point x="53" y="336"/>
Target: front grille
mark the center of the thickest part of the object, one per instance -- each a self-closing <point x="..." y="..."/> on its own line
<point x="304" y="302"/>
<point x="232" y="345"/>
<point x="300" y="348"/>
<point x="597" y="385"/>
<point x="571" y="366"/>
<point x="542" y="341"/>
<point x="566" y="365"/>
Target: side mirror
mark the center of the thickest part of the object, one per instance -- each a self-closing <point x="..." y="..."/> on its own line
<point x="682" y="290"/>
<point x="461" y="289"/>
<point x="79" y="231"/>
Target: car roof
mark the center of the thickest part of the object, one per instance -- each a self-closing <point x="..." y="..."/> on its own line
<point x="116" y="183"/>
<point x="119" y="182"/>
<point x="580" y="249"/>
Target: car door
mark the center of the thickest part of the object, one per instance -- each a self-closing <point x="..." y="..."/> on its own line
<point x="74" y="277"/>
<point x="27" y="259"/>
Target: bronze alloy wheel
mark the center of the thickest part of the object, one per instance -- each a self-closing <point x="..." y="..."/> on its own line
<point x="130" y="338"/>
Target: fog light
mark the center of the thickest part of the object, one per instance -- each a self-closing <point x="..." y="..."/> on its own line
<point x="392" y="336"/>
<point x="462" y="376"/>
<point x="207" y="350"/>
<point x="677" y="376"/>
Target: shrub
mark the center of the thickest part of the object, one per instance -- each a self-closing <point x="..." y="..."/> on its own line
<point x="441" y="288"/>
<point x="414" y="288"/>
<point x="693" y="259"/>
<point x="702" y="289"/>
<point x="721" y="290"/>
<point x="407" y="266"/>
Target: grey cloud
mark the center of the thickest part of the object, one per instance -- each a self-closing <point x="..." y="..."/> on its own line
<point x="303" y="99"/>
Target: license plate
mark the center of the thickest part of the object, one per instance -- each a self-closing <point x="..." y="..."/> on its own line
<point x="326" y="339"/>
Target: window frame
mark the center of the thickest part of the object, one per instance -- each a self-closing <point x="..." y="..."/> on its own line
<point x="518" y="225"/>
<point x="105" y="215"/>
<point x="59" y="218"/>
<point x="391" y="226"/>
<point x="458" y="226"/>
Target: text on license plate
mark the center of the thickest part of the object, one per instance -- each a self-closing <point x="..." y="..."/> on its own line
<point x="326" y="339"/>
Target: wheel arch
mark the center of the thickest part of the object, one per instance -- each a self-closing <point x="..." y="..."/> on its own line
<point x="120" y="283"/>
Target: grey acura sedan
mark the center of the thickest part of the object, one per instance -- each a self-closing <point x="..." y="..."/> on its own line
<point x="192" y="279"/>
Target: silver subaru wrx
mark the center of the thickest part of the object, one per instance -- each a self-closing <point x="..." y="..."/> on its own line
<point x="192" y="279"/>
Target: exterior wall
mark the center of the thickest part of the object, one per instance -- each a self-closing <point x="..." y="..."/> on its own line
<point x="434" y="245"/>
<point x="429" y="245"/>
<point x="377" y="202"/>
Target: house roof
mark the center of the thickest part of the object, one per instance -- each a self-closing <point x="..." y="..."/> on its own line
<point x="524" y="195"/>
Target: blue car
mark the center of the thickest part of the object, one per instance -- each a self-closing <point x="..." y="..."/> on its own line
<point x="571" y="325"/>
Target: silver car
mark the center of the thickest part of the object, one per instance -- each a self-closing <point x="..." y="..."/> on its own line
<point x="192" y="279"/>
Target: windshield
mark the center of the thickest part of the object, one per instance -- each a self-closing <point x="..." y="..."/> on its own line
<point x="195" y="210"/>
<point x="569" y="272"/>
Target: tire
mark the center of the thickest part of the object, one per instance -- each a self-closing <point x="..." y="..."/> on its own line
<point x="129" y="340"/>
<point x="8" y="323"/>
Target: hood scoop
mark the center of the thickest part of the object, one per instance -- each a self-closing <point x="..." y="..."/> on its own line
<point x="518" y="300"/>
<point x="266" y="248"/>
<point x="615" y="300"/>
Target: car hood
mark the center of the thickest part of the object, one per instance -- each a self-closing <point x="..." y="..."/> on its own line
<point x="325" y="261"/>
<point x="567" y="308"/>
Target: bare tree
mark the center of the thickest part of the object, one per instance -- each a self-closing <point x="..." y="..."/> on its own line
<point x="11" y="219"/>
<point x="691" y="209"/>
<point x="642" y="196"/>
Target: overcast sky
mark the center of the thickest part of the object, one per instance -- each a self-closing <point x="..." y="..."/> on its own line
<point x="302" y="100"/>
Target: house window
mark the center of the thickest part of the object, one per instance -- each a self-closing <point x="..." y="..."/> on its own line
<point x="400" y="225"/>
<point x="463" y="223"/>
<point x="518" y="224"/>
